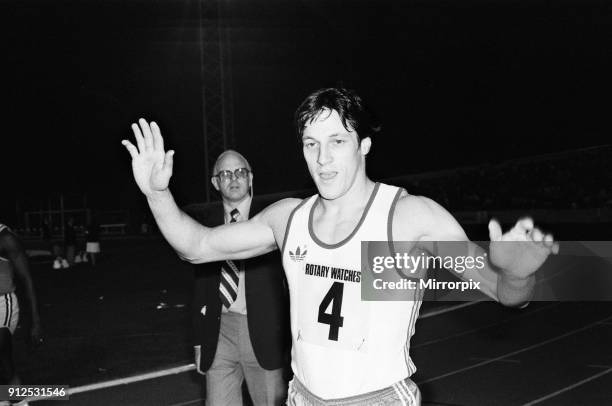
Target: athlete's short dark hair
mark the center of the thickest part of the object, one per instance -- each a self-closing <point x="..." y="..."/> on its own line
<point x="351" y="108"/>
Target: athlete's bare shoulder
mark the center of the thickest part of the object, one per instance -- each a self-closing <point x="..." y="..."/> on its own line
<point x="418" y="217"/>
<point x="422" y="204"/>
<point x="409" y="216"/>
<point x="276" y="216"/>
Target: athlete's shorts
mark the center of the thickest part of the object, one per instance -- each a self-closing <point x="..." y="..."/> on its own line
<point x="92" y="247"/>
<point x="404" y="393"/>
<point x="9" y="311"/>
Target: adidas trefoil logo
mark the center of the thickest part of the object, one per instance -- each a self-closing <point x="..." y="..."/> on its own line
<point x="299" y="255"/>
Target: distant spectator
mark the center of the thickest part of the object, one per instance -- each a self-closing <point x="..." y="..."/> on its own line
<point x="45" y="234"/>
<point x="70" y="241"/>
<point x="92" y="247"/>
<point x="45" y="231"/>
<point x="58" y="251"/>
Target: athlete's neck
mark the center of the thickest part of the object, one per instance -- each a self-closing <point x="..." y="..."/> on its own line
<point x="355" y="198"/>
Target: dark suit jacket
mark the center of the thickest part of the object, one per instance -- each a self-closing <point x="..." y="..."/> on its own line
<point x="266" y="299"/>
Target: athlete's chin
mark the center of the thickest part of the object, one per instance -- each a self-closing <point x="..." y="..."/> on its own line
<point x="329" y="192"/>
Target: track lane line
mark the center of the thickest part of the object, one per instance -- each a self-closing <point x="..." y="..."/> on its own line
<point x="575" y="385"/>
<point x="190" y="367"/>
<point x="438" y="340"/>
<point x="434" y="313"/>
<point x="541" y="343"/>
<point x="189" y="402"/>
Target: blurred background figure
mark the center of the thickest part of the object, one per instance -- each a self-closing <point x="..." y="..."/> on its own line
<point x="45" y="233"/>
<point x="92" y="246"/>
<point x="14" y="263"/>
<point x="69" y="242"/>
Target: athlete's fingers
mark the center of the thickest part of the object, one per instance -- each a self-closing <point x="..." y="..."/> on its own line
<point x="131" y="148"/>
<point x="139" y="137"/>
<point x="537" y="235"/>
<point x="555" y="248"/>
<point x="549" y="240"/>
<point x="495" y="230"/>
<point x="550" y="243"/>
<point x="169" y="161"/>
<point x="524" y="225"/>
<point x="146" y="133"/>
<point x="158" y="140"/>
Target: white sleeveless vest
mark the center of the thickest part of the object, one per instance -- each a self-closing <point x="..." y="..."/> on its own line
<point x="343" y="346"/>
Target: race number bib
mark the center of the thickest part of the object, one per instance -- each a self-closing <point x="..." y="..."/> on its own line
<point x="330" y="310"/>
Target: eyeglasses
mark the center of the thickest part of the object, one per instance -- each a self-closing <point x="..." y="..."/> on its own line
<point x="240" y="173"/>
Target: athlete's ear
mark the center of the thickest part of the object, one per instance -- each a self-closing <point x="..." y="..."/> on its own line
<point x="251" y="184"/>
<point x="215" y="181"/>
<point x="365" y="145"/>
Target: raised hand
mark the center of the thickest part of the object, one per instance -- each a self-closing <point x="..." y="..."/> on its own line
<point x="152" y="166"/>
<point x="522" y="250"/>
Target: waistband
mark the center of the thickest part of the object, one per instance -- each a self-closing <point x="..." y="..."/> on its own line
<point x="232" y="314"/>
<point x="405" y="391"/>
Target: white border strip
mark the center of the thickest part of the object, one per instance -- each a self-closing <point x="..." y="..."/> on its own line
<point x="131" y="379"/>
<point x="123" y="381"/>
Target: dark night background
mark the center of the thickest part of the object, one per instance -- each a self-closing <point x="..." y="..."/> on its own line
<point x="455" y="84"/>
<point x="464" y="87"/>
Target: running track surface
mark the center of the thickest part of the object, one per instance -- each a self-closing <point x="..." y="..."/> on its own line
<point x="480" y="354"/>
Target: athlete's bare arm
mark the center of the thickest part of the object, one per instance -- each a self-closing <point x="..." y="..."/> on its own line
<point x="508" y="276"/>
<point x="256" y="236"/>
<point x="152" y="168"/>
<point x="11" y="246"/>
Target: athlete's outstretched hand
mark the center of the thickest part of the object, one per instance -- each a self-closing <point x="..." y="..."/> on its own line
<point x="152" y="166"/>
<point x="522" y="250"/>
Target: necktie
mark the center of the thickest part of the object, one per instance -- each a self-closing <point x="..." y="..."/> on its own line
<point x="228" y="289"/>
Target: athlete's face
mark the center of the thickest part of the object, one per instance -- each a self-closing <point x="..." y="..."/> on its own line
<point x="233" y="188"/>
<point x="334" y="155"/>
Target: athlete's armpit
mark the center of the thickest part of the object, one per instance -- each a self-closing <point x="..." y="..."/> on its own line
<point x="277" y="215"/>
<point x="256" y="236"/>
<point x="421" y="219"/>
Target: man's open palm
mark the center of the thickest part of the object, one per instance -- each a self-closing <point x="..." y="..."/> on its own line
<point x="522" y="250"/>
<point x="152" y="166"/>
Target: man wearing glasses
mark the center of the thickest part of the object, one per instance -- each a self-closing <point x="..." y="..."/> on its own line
<point x="240" y="319"/>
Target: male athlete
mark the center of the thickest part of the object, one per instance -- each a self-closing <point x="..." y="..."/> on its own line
<point x="362" y="356"/>
<point x="14" y="265"/>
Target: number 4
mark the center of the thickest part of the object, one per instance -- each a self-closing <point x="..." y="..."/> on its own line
<point x="335" y="320"/>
